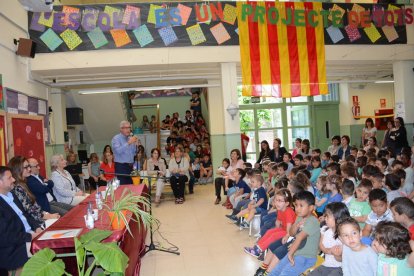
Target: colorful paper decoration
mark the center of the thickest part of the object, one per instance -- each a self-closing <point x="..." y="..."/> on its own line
<point x="390" y="33"/>
<point x="168" y="35"/>
<point x="352" y="33"/>
<point x="120" y="37"/>
<point x="357" y="8"/>
<point x="34" y="24"/>
<point x="71" y="38"/>
<point x="67" y="10"/>
<point x="394" y="8"/>
<point x="128" y="11"/>
<point x="143" y="35"/>
<point x="51" y="39"/>
<point x="335" y="7"/>
<point x="335" y="34"/>
<point x="110" y="11"/>
<point x="237" y="31"/>
<point x="196" y="35"/>
<point x="206" y="18"/>
<point x="185" y="13"/>
<point x="91" y="19"/>
<point x="372" y="33"/>
<point x="97" y="38"/>
<point x="151" y="14"/>
<point x="378" y="21"/>
<point x="220" y="33"/>
<point x="46" y="19"/>
<point x="229" y="14"/>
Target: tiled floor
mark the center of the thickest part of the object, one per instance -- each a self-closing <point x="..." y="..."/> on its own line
<point x="208" y="242"/>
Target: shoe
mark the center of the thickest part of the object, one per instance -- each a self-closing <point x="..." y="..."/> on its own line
<point x="260" y="272"/>
<point x="180" y="201"/>
<point x="217" y="201"/>
<point x="177" y="201"/>
<point x="245" y="225"/>
<point x="252" y="251"/>
<point x="261" y="257"/>
<point x="191" y="192"/>
<point x="232" y="218"/>
<point x="237" y="222"/>
<point x="224" y="203"/>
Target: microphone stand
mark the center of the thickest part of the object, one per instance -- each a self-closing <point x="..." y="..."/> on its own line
<point x="152" y="246"/>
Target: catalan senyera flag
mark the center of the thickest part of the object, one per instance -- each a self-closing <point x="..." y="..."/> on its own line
<point x="282" y="60"/>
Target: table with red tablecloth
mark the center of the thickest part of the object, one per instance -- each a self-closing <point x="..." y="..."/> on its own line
<point x="132" y="246"/>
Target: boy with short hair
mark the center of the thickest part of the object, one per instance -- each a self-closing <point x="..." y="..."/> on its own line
<point x="287" y="158"/>
<point x="402" y="209"/>
<point x="380" y="212"/>
<point x="359" y="207"/>
<point x="298" y="160"/>
<point x="258" y="203"/>
<point x="354" y="152"/>
<point x="316" y="152"/>
<point x="206" y="170"/>
<point x="348" y="190"/>
<point x="305" y="247"/>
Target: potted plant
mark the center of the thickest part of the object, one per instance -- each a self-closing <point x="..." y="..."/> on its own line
<point x="136" y="177"/>
<point x="118" y="209"/>
<point x="106" y="255"/>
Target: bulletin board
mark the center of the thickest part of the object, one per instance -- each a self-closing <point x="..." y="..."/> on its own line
<point x="26" y="138"/>
<point x="3" y="140"/>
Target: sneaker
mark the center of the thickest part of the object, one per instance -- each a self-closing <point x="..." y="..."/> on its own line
<point x="259" y="271"/>
<point x="252" y="251"/>
<point x="237" y="222"/>
<point x="245" y="225"/>
<point x="261" y="257"/>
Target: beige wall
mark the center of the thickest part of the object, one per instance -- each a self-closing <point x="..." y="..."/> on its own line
<point x="14" y="69"/>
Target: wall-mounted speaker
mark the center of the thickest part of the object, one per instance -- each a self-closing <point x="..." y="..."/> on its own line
<point x="74" y="116"/>
<point x="26" y="48"/>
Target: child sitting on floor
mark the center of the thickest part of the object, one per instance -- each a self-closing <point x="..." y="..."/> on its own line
<point x="396" y="250"/>
<point x="258" y="204"/>
<point x="402" y="209"/>
<point x="322" y="195"/>
<point x="359" y="207"/>
<point x="285" y="218"/>
<point x="206" y="170"/>
<point x="301" y="256"/>
<point x="348" y="190"/>
<point x="357" y="258"/>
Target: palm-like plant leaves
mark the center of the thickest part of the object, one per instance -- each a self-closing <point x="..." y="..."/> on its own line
<point x="42" y="264"/>
<point x="109" y="256"/>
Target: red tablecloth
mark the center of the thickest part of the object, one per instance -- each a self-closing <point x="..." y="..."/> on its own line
<point x="132" y="246"/>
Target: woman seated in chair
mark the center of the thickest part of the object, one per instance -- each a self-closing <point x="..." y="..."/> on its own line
<point x="156" y="167"/>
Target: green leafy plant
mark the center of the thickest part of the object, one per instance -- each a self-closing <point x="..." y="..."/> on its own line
<point x="106" y="255"/>
<point x="128" y="202"/>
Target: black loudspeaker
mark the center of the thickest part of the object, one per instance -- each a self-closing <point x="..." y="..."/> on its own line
<point x="74" y="116"/>
<point x="26" y="48"/>
<point x="81" y="137"/>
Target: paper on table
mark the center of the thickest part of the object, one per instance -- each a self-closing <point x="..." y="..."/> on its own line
<point x="60" y="234"/>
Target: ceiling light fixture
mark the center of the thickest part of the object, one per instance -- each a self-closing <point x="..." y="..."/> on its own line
<point x="384" y="81"/>
<point x="149" y="88"/>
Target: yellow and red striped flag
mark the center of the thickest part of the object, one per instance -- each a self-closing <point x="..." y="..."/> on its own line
<point x="281" y="60"/>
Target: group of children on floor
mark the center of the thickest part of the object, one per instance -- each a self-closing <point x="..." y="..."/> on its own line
<point x="356" y="213"/>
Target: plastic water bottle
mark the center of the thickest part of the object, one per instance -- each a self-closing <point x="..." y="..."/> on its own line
<point x="98" y="200"/>
<point x="90" y="222"/>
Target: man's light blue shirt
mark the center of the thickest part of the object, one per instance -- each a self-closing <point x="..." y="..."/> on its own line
<point x="123" y="153"/>
<point x="9" y="199"/>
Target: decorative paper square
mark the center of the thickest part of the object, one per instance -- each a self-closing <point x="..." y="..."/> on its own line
<point x="390" y="33"/>
<point x="184" y="13"/>
<point x="372" y="33"/>
<point x="168" y="35"/>
<point x="196" y="34"/>
<point x="220" y="33"/>
<point x="67" y="10"/>
<point x="357" y="8"/>
<point x="71" y="38"/>
<point x="394" y="8"/>
<point x="229" y="14"/>
<point x="335" y="34"/>
<point x="51" y="39"/>
<point x="237" y="31"/>
<point x="34" y="24"/>
<point x="120" y="37"/>
<point x="352" y="33"/>
<point x="110" y="11"/>
<point x="97" y="38"/>
<point x="46" y="19"/>
<point x="127" y="13"/>
<point x="143" y="35"/>
<point x="335" y="7"/>
<point x="151" y="13"/>
<point x="377" y="20"/>
<point x="91" y="19"/>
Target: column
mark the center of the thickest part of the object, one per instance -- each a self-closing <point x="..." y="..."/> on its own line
<point x="225" y="131"/>
<point x="404" y="97"/>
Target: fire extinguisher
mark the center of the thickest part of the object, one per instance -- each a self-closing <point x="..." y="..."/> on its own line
<point x="356" y="110"/>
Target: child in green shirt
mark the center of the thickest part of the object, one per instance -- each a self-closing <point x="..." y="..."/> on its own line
<point x="359" y="207"/>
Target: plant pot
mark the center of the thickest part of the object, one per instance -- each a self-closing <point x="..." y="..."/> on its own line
<point x="114" y="220"/>
<point x="136" y="180"/>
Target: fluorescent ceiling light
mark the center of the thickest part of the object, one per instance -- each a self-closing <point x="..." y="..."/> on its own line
<point x="149" y="88"/>
<point x="384" y="81"/>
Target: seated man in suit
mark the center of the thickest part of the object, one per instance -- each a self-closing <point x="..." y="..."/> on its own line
<point x="16" y="231"/>
<point x="42" y="189"/>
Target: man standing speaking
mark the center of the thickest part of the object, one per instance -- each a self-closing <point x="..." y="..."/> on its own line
<point x="124" y="147"/>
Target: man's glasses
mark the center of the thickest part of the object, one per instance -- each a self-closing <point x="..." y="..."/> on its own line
<point x="35" y="166"/>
